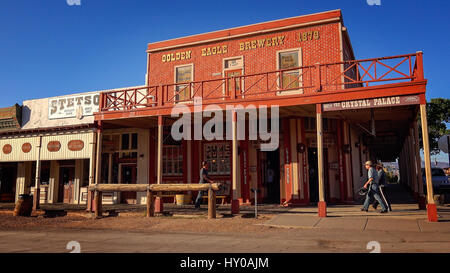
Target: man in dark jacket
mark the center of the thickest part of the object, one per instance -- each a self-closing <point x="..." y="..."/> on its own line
<point x="204" y="178"/>
<point x="382" y="187"/>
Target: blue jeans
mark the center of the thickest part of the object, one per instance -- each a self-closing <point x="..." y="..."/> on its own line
<point x="374" y="192"/>
<point x="199" y="199"/>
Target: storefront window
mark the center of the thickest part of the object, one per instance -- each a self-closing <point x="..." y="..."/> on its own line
<point x="172" y="160"/>
<point x="218" y="157"/>
<point x="287" y="60"/>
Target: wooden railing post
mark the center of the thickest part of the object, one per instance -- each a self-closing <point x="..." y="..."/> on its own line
<point x="98" y="202"/>
<point x="159" y="95"/>
<point x="211" y="204"/>
<point x="419" y="62"/>
<point x="101" y="102"/>
<point x="233" y="84"/>
<point x="318" y="83"/>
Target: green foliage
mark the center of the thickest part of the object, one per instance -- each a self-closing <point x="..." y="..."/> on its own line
<point x="438" y="115"/>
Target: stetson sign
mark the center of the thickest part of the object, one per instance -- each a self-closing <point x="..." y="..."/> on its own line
<point x="371" y="103"/>
<point x="73" y="106"/>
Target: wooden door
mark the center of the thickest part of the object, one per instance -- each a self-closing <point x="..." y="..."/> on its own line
<point x="128" y="173"/>
<point x="66" y="184"/>
<point x="236" y="84"/>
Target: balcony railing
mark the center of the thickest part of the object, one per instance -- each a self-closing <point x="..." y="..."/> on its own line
<point x="299" y="81"/>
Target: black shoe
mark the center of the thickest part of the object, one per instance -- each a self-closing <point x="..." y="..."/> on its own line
<point x="363" y="209"/>
<point x="375" y="207"/>
<point x="383" y="211"/>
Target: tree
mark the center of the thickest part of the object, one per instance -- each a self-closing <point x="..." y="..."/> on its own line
<point x="438" y="115"/>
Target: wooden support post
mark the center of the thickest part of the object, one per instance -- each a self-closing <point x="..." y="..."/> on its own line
<point x="98" y="160"/>
<point x="98" y="204"/>
<point x="150" y="204"/>
<point x="37" y="191"/>
<point x="211" y="204"/>
<point x="235" y="176"/>
<point x="422" y="200"/>
<point x="431" y="207"/>
<point x="412" y="163"/>
<point x="322" y="204"/>
<point x="159" y="174"/>
<point x="89" y="205"/>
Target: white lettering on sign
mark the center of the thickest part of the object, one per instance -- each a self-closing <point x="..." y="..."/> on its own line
<point x="73" y="106"/>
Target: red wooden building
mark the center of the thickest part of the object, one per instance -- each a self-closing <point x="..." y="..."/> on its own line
<point x="335" y="113"/>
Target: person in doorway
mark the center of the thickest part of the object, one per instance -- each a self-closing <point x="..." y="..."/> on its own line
<point x="204" y="178"/>
<point x="373" y="190"/>
<point x="382" y="187"/>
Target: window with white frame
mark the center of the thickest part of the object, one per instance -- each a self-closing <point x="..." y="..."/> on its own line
<point x="183" y="74"/>
<point x="287" y="60"/>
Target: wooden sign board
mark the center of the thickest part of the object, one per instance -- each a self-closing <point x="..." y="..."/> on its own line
<point x="371" y="103"/>
<point x="26" y="147"/>
<point x="7" y="149"/>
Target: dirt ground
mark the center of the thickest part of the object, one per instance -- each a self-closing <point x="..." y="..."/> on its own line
<point x="136" y="221"/>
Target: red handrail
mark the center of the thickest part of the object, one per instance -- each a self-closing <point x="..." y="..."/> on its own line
<point x="338" y="76"/>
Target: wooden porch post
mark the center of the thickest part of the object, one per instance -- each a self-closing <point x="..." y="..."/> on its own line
<point x="431" y="207"/>
<point x="98" y="204"/>
<point x="421" y="200"/>
<point x="91" y="171"/>
<point x="159" y="173"/>
<point x="150" y="204"/>
<point x="235" y="175"/>
<point x="322" y="204"/>
<point x="37" y="190"/>
<point x="98" y="164"/>
<point x="412" y="163"/>
<point x="211" y="204"/>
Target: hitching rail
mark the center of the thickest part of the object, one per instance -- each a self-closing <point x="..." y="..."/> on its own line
<point x="153" y="189"/>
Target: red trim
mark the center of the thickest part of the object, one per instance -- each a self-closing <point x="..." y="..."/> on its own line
<point x="408" y="88"/>
<point x="322" y="206"/>
<point x="318" y="108"/>
<point x="432" y="213"/>
<point x="423" y="99"/>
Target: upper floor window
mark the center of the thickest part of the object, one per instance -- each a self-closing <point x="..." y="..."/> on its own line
<point x="233" y="68"/>
<point x="183" y="74"/>
<point x="287" y="60"/>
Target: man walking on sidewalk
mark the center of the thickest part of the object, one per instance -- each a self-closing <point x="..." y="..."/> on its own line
<point x="204" y="178"/>
<point x="382" y="187"/>
<point x="372" y="186"/>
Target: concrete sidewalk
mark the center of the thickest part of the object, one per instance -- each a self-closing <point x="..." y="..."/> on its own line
<point x="405" y="217"/>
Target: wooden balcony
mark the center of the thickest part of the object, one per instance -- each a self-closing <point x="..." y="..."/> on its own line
<point x="319" y="83"/>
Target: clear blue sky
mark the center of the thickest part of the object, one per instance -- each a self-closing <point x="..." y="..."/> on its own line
<point x="48" y="48"/>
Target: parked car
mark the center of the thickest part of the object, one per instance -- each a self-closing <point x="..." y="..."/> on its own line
<point x="441" y="182"/>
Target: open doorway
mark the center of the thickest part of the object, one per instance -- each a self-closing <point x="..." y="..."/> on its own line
<point x="8" y="175"/>
<point x="270" y="176"/>
<point x="314" y="175"/>
<point x="66" y="181"/>
<point x="128" y="172"/>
